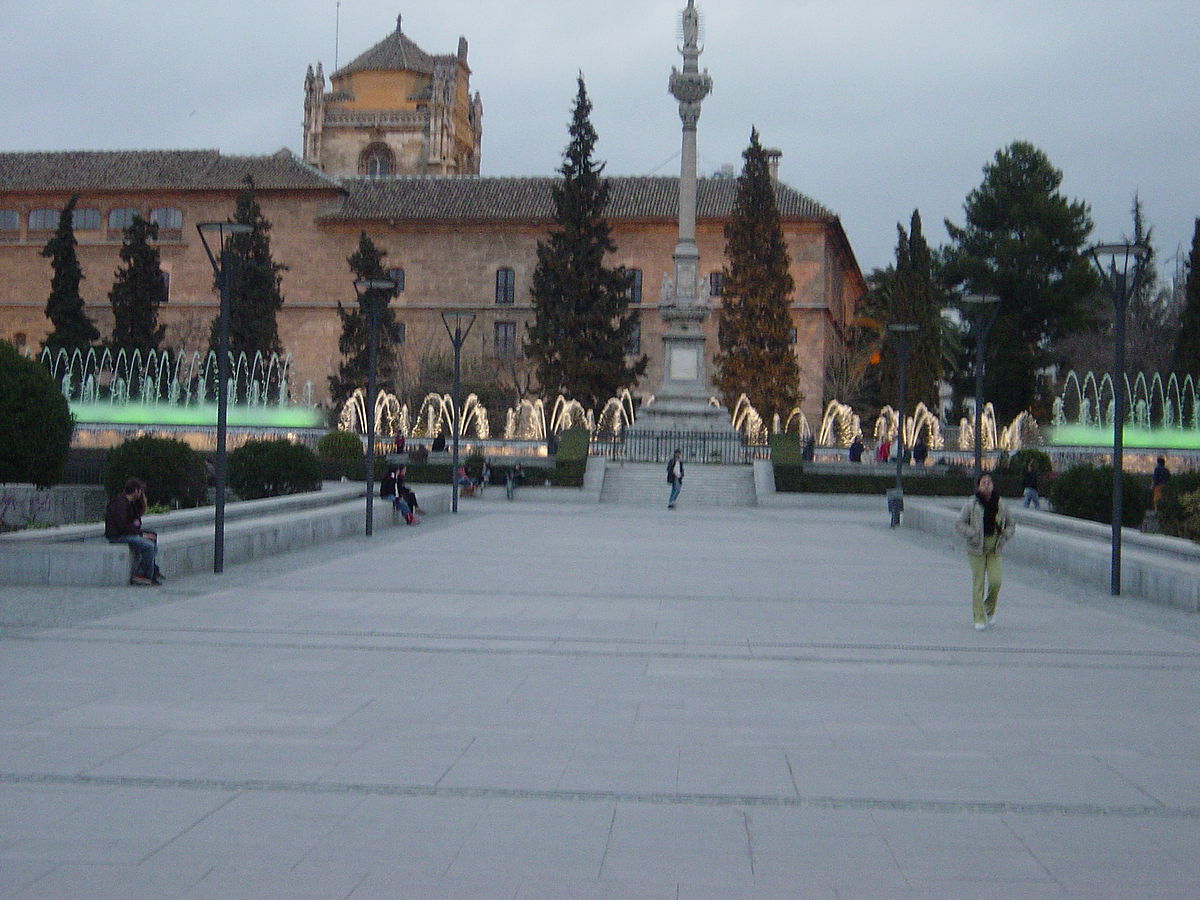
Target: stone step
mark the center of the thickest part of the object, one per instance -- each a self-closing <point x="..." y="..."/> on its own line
<point x="704" y="485"/>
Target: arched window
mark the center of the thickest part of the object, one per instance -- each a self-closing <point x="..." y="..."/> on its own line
<point x="10" y="220"/>
<point x="43" y="219"/>
<point x="169" y="221"/>
<point x="121" y="218"/>
<point x="377" y="162"/>
<point x="86" y="220"/>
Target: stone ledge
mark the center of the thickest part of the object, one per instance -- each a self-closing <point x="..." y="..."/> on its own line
<point x="1154" y="568"/>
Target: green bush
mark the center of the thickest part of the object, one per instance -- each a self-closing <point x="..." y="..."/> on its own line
<point x="35" y="421"/>
<point x="1022" y="458"/>
<point x="1085" y="492"/>
<point x="340" y="445"/>
<point x="174" y="473"/>
<point x="273" y="468"/>
<point x="1173" y="514"/>
<point x="788" y="463"/>
<point x="1188" y="523"/>
<point x="570" y="460"/>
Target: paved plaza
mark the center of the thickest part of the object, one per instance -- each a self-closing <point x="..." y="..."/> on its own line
<point x="544" y="699"/>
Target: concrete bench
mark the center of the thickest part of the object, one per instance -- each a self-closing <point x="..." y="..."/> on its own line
<point x="79" y="554"/>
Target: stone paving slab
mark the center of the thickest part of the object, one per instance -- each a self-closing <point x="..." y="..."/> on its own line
<point x="543" y="699"/>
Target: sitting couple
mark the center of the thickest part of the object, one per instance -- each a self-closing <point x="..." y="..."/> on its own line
<point x="404" y="501"/>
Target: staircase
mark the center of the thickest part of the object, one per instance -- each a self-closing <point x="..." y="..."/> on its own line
<point x="645" y="484"/>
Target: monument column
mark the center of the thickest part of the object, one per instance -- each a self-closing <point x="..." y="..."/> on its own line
<point x="681" y="402"/>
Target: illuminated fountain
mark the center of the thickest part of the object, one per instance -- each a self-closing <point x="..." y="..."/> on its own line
<point x="1164" y="413"/>
<point x="172" y="388"/>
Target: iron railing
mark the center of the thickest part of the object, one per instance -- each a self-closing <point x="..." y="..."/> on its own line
<point x="719" y="448"/>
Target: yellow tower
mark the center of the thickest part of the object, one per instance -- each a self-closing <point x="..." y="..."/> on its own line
<point x="394" y="110"/>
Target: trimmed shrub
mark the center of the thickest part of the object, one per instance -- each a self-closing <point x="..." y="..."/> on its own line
<point x="174" y="473"/>
<point x="340" y="445"/>
<point x="272" y="468"/>
<point x="35" y="421"/>
<point x="1188" y="521"/>
<point x="1174" y="516"/>
<point x="1085" y="492"/>
<point x="787" y="460"/>
<point x="571" y="458"/>
<point x="1020" y="460"/>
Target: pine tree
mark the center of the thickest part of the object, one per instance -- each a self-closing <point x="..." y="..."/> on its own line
<point x="72" y="330"/>
<point x="137" y="291"/>
<point x="255" y="295"/>
<point x="755" y="355"/>
<point x="582" y="324"/>
<point x="909" y="294"/>
<point x="1024" y="241"/>
<point x="365" y="263"/>
<point x="1187" y="344"/>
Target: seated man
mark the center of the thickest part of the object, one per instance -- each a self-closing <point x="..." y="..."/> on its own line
<point x="123" y="525"/>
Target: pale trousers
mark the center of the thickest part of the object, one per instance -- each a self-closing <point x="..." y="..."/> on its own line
<point x="985" y="580"/>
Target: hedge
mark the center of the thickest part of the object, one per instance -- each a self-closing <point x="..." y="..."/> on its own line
<point x="1085" y="492"/>
<point x="272" y="468"/>
<point x="1175" y="517"/>
<point x="35" y="421"/>
<point x="571" y="459"/>
<point x="174" y="473"/>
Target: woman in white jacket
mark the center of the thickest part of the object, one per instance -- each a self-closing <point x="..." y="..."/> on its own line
<point x="986" y="525"/>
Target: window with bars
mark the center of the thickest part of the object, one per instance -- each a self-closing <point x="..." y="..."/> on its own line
<point x="121" y="218"/>
<point x="505" y="341"/>
<point x="716" y="284"/>
<point x="86" y="219"/>
<point x="10" y="220"/>
<point x="635" y="286"/>
<point x="634" y="347"/>
<point x="43" y="219"/>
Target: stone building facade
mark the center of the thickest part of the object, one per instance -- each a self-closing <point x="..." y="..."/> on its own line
<point x="458" y="241"/>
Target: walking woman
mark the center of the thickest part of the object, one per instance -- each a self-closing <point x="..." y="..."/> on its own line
<point x="986" y="525"/>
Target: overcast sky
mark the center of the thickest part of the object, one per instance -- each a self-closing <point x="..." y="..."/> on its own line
<point x="879" y="106"/>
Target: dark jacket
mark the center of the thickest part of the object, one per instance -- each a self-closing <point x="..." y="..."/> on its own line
<point x="121" y="519"/>
<point x="670" y="466"/>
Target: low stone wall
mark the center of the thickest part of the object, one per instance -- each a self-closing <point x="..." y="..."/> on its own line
<point x="25" y="506"/>
<point x="1160" y="569"/>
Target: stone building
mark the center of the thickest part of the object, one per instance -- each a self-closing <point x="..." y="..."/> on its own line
<point x="455" y="240"/>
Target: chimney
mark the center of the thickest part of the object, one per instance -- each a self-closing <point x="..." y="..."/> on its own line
<point x="773" y="156"/>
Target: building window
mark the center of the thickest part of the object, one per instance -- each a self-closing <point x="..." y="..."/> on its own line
<point x="716" y="284"/>
<point x="377" y="162"/>
<point x="20" y="341"/>
<point x="10" y="220"/>
<point x="634" y="347"/>
<point x="401" y="333"/>
<point x="635" y="287"/>
<point x="792" y="335"/>
<point x="506" y="340"/>
<point x="169" y="221"/>
<point x="506" y="286"/>
<point x="396" y="276"/>
<point x="121" y="218"/>
<point x="86" y="219"/>
<point x="43" y="219"/>
<point x="166" y="286"/>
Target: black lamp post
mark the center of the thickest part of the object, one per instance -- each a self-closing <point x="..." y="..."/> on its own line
<point x="986" y="307"/>
<point x="1121" y="286"/>
<point x="222" y="262"/>
<point x="369" y="291"/>
<point x="458" y="337"/>
<point x="903" y="332"/>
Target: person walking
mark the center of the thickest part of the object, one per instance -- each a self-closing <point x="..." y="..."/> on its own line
<point x="856" y="449"/>
<point x="986" y="525"/>
<point x="123" y="525"/>
<point x="1158" y="481"/>
<point x="1030" y="483"/>
<point x="675" y="477"/>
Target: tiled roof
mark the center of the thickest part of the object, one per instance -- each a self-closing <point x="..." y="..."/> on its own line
<point x="394" y="52"/>
<point x="487" y="198"/>
<point x="155" y="170"/>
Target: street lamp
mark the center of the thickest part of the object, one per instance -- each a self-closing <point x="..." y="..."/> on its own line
<point x="222" y="262"/>
<point x="1116" y="278"/>
<point x="903" y="331"/>
<point x="986" y="307"/>
<point x="458" y="337"/>
<point x="368" y="291"/>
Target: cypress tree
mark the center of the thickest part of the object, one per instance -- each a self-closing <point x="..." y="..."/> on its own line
<point x="137" y="291"/>
<point x="582" y="324"/>
<point x="255" y="294"/>
<point x="1187" y="343"/>
<point x="755" y="355"/>
<point x="366" y="263"/>
<point x="72" y="330"/>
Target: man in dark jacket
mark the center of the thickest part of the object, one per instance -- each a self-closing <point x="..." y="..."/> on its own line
<point x="123" y="525"/>
<point x="675" y="477"/>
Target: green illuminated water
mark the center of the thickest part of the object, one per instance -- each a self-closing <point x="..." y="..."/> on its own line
<point x="199" y="415"/>
<point x="1134" y="437"/>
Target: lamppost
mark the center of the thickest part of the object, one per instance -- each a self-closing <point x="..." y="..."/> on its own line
<point x="458" y="337"/>
<point x="1116" y="278"/>
<point x="368" y="291"/>
<point x="903" y="331"/>
<point x="222" y="262"/>
<point x="986" y="306"/>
